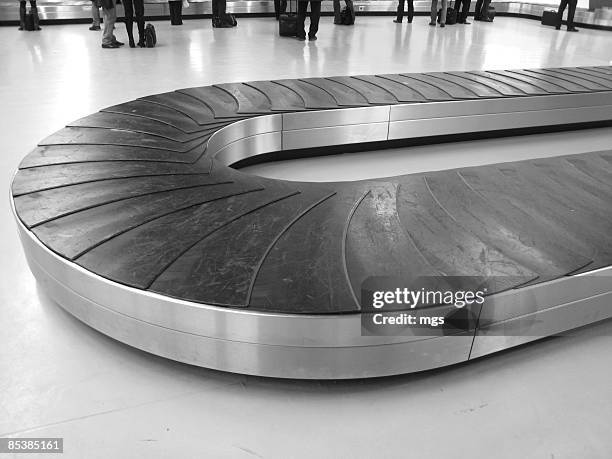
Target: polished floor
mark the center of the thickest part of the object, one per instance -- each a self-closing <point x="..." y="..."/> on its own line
<point x="60" y="378"/>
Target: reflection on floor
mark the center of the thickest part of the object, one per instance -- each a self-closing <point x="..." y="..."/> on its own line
<point x="60" y="378"/>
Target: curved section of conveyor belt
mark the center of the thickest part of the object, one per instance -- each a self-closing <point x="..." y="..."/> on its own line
<point x="133" y="221"/>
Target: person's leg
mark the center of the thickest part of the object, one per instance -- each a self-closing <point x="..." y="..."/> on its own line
<point x="128" y="18"/>
<point x="443" y="14"/>
<point x="485" y="11"/>
<point x="113" y="20"/>
<point x="400" y="11"/>
<point x="277" y="9"/>
<point x="95" y="15"/>
<point x="433" y="12"/>
<point x="172" y="9"/>
<point x="458" y="4"/>
<point x="477" y="10"/>
<point x="140" y="22"/>
<point x="109" y="16"/>
<point x="560" y="12"/>
<point x="410" y="10"/>
<point x="466" y="11"/>
<point x="570" y="15"/>
<point x="336" y="4"/>
<point x="179" y="13"/>
<point x="315" y="15"/>
<point x="302" y="6"/>
<point x="34" y="11"/>
<point x="351" y="7"/>
<point x="22" y="14"/>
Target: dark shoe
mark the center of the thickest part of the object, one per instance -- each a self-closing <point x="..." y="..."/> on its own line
<point x="110" y="46"/>
<point x="132" y="44"/>
<point x="466" y="23"/>
<point x="312" y="38"/>
<point x="558" y="27"/>
<point x="118" y="43"/>
<point x="442" y="25"/>
<point x="572" y="29"/>
<point x="20" y="28"/>
<point x="432" y="24"/>
<point x="301" y="38"/>
<point x="94" y="27"/>
<point x="487" y="20"/>
<point x="397" y="21"/>
<point x="141" y="44"/>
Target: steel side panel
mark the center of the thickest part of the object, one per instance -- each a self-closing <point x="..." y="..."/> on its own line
<point x="493" y="122"/>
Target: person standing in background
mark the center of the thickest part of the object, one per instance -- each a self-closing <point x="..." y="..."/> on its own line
<point x="434" y="12"/>
<point x="315" y="15"/>
<point x="570" y="14"/>
<point x="337" y="11"/>
<point x="95" y="14"/>
<point x="33" y="11"/>
<point x="130" y="7"/>
<point x="463" y="9"/>
<point x="400" y="11"/>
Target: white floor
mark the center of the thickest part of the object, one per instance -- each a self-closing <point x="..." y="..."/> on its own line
<point x="552" y="399"/>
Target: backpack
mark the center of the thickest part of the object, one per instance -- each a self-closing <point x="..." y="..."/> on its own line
<point x="150" y="36"/>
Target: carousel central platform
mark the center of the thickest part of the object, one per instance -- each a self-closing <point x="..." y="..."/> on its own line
<point x="134" y="221"/>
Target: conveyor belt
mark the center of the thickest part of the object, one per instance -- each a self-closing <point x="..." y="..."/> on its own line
<point x="141" y="195"/>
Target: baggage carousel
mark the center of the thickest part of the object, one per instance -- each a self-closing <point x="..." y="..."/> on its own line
<point x="134" y="220"/>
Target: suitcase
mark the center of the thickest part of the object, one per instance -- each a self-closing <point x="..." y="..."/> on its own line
<point x="287" y="23"/>
<point x="550" y="18"/>
<point x="29" y="22"/>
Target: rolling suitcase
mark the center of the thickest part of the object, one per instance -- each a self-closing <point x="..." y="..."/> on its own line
<point x="287" y="23"/>
<point x="550" y="18"/>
